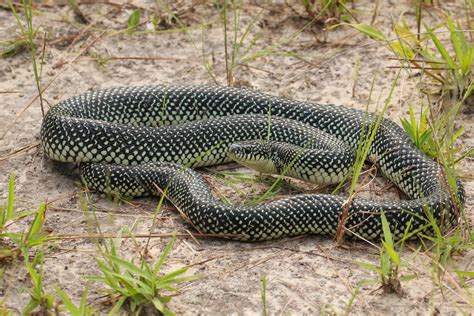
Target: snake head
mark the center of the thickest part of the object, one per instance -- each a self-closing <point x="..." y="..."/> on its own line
<point x="254" y="154"/>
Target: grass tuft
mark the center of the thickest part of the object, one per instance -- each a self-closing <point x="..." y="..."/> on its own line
<point x="138" y="287"/>
<point x="450" y="74"/>
<point x="20" y="242"/>
<point x="390" y="262"/>
<point x="38" y="297"/>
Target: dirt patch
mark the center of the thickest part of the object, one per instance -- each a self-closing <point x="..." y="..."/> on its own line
<point x="305" y="275"/>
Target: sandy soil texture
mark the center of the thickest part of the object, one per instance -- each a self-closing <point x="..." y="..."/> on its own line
<point x="305" y="275"/>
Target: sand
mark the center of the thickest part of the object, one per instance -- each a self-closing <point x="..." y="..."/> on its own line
<point x="304" y="275"/>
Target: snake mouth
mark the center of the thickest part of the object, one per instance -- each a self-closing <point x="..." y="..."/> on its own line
<point x="252" y="154"/>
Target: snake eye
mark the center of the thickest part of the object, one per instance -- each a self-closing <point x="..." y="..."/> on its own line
<point x="248" y="151"/>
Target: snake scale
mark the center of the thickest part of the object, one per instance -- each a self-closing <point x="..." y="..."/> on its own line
<point x="135" y="141"/>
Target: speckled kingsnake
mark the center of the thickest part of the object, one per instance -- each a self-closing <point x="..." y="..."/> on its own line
<point x="117" y="130"/>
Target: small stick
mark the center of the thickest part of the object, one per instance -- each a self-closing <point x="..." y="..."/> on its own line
<point x="126" y="236"/>
<point x="10" y="91"/>
<point x="419" y="60"/>
<point x="417" y="67"/>
<point x="129" y="58"/>
<point x="19" y="151"/>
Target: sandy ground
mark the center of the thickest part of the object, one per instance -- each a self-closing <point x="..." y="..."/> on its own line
<point x="305" y="275"/>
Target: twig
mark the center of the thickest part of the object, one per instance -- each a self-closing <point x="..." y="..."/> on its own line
<point x="419" y="60"/>
<point x="416" y="67"/>
<point x="129" y="58"/>
<point x="126" y="236"/>
<point x="10" y="91"/>
<point x="19" y="151"/>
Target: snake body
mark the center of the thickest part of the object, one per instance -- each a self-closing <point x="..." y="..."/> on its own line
<point x="132" y="140"/>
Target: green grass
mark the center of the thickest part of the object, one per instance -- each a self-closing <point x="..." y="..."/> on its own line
<point x="138" y="287"/>
<point x="433" y="137"/>
<point x="420" y="132"/>
<point x="235" y="179"/>
<point x="434" y="133"/>
<point x="388" y="269"/>
<point x="20" y="242"/>
<point x="437" y="138"/>
<point x="39" y="299"/>
<point x="12" y="47"/>
<point x="25" y="244"/>
<point x="351" y="301"/>
<point x="239" y="53"/>
<point x="367" y="136"/>
<point x="4" y="310"/>
<point x="133" y="21"/>
<point x="82" y="310"/>
<point x="449" y="69"/>
<point x="245" y="43"/>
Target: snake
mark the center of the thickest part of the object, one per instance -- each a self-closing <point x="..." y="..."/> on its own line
<point x="148" y="140"/>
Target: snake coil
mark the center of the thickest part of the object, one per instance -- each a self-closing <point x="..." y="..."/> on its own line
<point x="132" y="140"/>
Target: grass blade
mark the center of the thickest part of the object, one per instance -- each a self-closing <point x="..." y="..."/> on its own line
<point x="133" y="21"/>
<point x="11" y="198"/>
<point x="387" y="234"/>
<point x="37" y="225"/>
<point x="71" y="308"/>
<point x="130" y="267"/>
<point x="163" y="257"/>
<point x="442" y="50"/>
<point x="392" y="253"/>
<point x="368" y="30"/>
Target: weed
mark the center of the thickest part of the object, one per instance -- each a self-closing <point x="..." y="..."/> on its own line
<point x="12" y="47"/>
<point x="390" y="262"/>
<point x="6" y="213"/>
<point x="138" y="287"/>
<point x="22" y="244"/>
<point x="423" y="131"/>
<point x="29" y="35"/>
<point x="74" y="310"/>
<point x="351" y="301"/>
<point x="244" y="49"/>
<point x="38" y="297"/>
<point x="451" y="74"/>
<point x="367" y="136"/>
<point x="101" y="60"/>
<point x="23" y="241"/>
<point x="237" y="56"/>
<point x="184" y="29"/>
